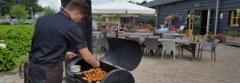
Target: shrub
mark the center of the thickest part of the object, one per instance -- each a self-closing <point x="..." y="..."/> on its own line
<point x="48" y="11"/>
<point x="18" y="11"/>
<point x="18" y="41"/>
<point x="233" y="33"/>
<point x="5" y="23"/>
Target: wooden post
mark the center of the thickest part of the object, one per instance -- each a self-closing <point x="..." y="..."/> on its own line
<point x="208" y="21"/>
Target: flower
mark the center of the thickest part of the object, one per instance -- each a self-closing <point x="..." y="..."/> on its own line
<point x="2" y="45"/>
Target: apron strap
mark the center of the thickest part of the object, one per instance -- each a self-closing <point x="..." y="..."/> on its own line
<point x="23" y="71"/>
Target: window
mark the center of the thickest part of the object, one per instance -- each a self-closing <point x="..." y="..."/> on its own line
<point x="235" y="18"/>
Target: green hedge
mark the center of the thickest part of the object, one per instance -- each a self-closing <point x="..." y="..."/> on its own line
<point x="233" y="33"/>
<point x="18" y="41"/>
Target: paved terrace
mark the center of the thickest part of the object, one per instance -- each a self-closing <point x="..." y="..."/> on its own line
<point x="154" y="70"/>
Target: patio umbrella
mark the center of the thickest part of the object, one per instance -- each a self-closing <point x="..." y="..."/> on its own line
<point x="122" y="9"/>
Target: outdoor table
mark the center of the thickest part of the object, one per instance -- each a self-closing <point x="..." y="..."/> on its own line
<point x="180" y="35"/>
<point x="191" y="47"/>
<point x="187" y="43"/>
<point x="140" y="34"/>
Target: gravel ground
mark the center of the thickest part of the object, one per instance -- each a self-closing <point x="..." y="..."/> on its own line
<point x="225" y="70"/>
<point x="154" y="70"/>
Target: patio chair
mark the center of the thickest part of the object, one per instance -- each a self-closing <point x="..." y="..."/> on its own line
<point x="169" y="47"/>
<point x="151" y="44"/>
<point x="168" y="36"/>
<point x="139" y="41"/>
<point x="111" y="34"/>
<point x="94" y="38"/>
<point x="100" y="45"/>
<point x="208" y="47"/>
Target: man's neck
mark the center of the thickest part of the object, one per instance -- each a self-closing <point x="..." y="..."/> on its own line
<point x="68" y="13"/>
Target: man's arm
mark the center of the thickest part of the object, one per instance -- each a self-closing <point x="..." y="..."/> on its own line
<point x="75" y="38"/>
<point x="89" y="58"/>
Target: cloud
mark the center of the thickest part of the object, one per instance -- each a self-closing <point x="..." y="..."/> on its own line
<point x="55" y="4"/>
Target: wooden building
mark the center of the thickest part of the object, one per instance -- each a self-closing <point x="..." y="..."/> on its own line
<point x="200" y="16"/>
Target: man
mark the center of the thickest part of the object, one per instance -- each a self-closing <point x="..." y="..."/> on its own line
<point x="54" y="35"/>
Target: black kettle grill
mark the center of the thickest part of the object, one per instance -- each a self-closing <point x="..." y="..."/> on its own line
<point x="123" y="56"/>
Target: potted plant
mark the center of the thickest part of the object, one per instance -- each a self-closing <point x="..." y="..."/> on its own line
<point x="233" y="33"/>
<point x="210" y="37"/>
<point x="233" y="38"/>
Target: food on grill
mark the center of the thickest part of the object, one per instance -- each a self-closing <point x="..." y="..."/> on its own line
<point x="94" y="75"/>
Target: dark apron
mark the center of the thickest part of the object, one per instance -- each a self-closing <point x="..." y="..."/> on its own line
<point x="50" y="73"/>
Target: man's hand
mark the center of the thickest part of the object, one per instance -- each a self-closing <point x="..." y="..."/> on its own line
<point x="89" y="58"/>
<point x="97" y="65"/>
<point x="70" y="55"/>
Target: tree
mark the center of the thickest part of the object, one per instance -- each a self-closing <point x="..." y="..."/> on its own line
<point x="132" y="2"/>
<point x="31" y="6"/>
<point x="18" y="11"/>
<point x="144" y="2"/>
<point x="4" y="7"/>
<point x="48" y="10"/>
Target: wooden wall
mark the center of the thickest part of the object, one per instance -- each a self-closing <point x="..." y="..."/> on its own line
<point x="181" y="9"/>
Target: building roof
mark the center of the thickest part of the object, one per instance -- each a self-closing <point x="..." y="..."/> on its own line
<point x="160" y="2"/>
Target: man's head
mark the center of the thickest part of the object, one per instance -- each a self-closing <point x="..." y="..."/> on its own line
<point x="77" y="9"/>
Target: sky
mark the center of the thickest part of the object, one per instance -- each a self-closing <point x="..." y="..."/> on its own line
<point x="55" y="4"/>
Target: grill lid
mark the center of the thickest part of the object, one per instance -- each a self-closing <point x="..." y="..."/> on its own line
<point x="123" y="53"/>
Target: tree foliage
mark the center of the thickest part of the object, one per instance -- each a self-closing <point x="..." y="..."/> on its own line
<point x="31" y="6"/>
<point x="139" y="3"/>
<point x="18" y="11"/>
<point x="48" y="10"/>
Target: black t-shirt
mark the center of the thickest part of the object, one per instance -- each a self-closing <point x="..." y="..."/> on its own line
<point x="53" y="36"/>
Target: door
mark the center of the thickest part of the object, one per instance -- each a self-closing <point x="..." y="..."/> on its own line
<point x="194" y="23"/>
<point x="190" y="23"/>
<point x="198" y="22"/>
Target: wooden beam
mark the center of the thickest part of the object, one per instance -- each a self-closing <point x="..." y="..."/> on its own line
<point x="208" y="21"/>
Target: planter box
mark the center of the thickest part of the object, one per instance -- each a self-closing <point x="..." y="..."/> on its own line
<point x="233" y="41"/>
